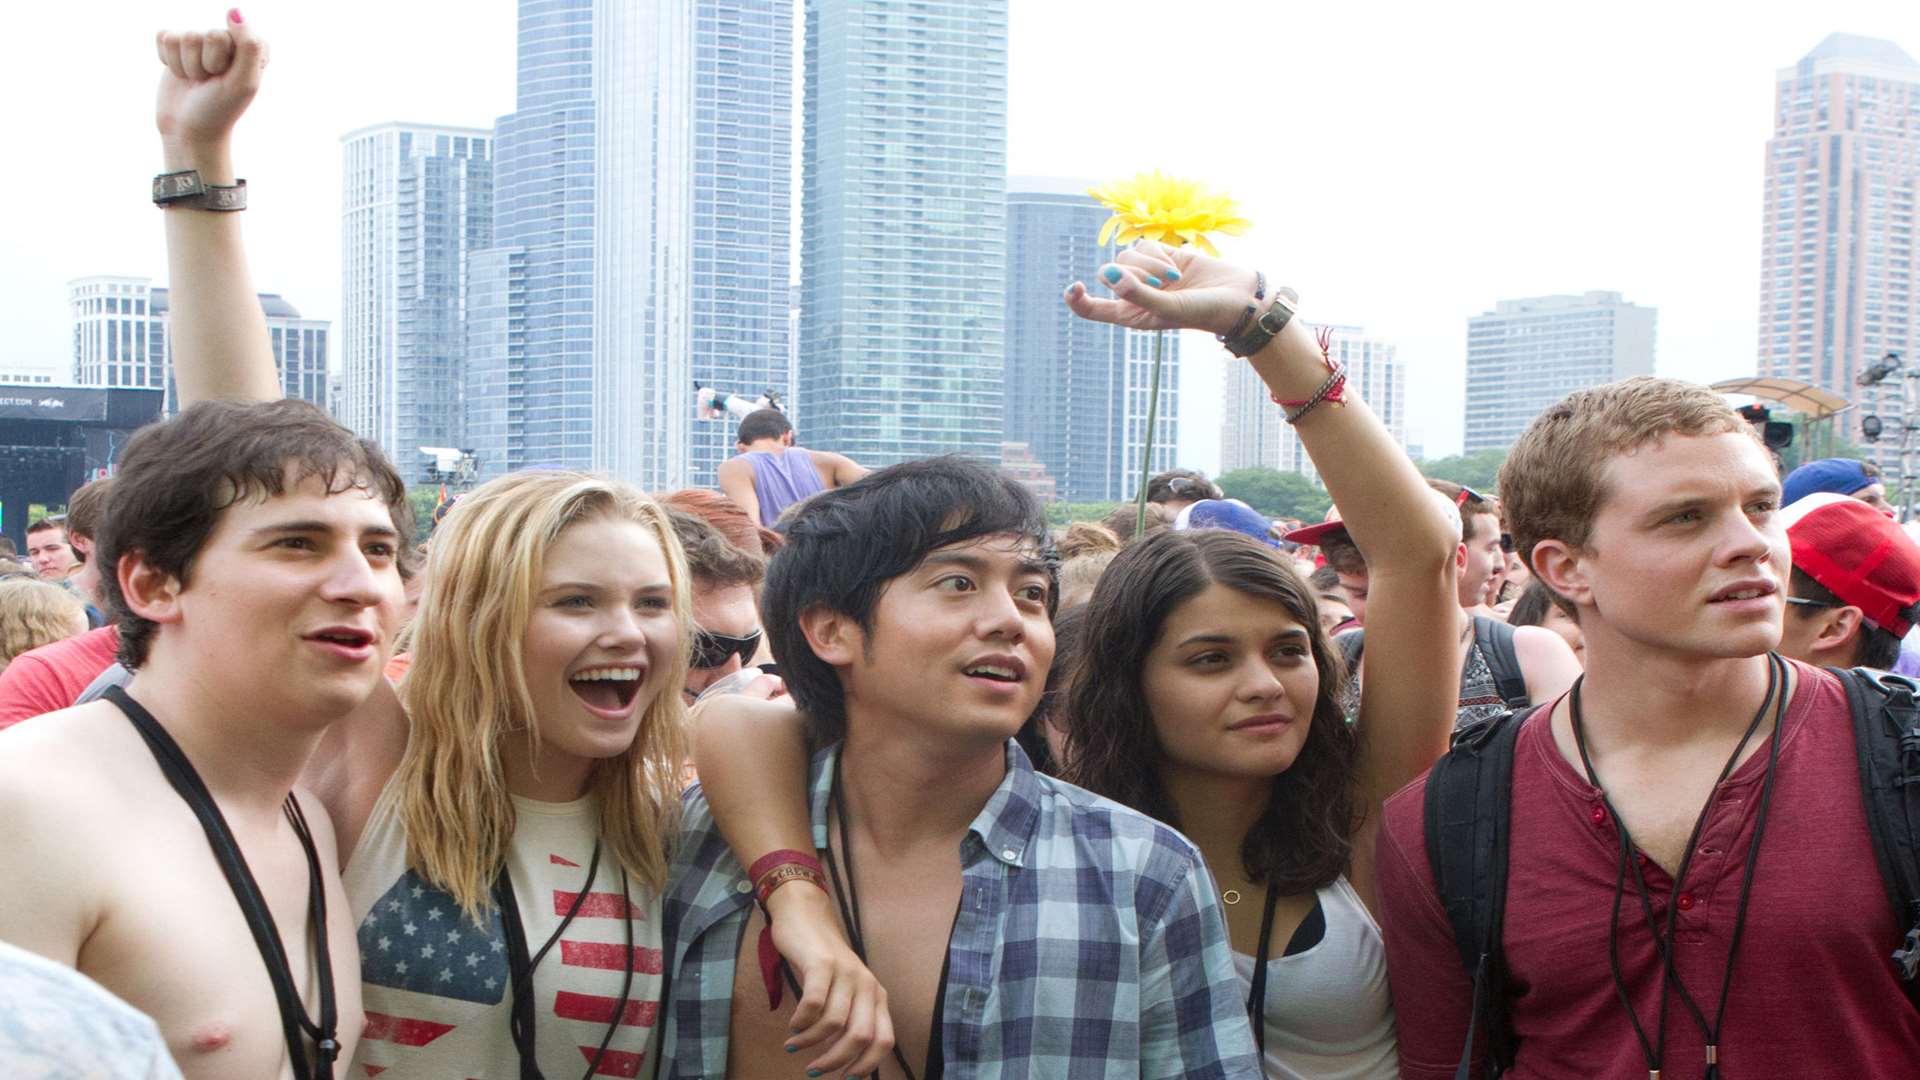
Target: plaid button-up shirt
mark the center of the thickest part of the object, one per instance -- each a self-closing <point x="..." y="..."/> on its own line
<point x="1089" y="943"/>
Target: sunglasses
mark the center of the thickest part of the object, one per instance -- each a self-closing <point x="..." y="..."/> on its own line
<point x="711" y="650"/>
<point x="1466" y="493"/>
<point x="1804" y="602"/>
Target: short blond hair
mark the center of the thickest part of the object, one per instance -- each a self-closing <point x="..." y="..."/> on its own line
<point x="1086" y="538"/>
<point x="34" y="613"/>
<point x="1553" y="480"/>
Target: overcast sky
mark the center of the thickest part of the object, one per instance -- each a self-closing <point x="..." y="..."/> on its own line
<point x="1405" y="165"/>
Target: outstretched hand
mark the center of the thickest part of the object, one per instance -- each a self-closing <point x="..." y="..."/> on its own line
<point x="209" y="80"/>
<point x="1156" y="287"/>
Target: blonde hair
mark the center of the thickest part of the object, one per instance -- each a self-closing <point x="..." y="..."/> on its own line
<point x="1553" y="480"/>
<point x="466" y="691"/>
<point x="1080" y="574"/>
<point x="1086" y="538"/>
<point x="34" y="613"/>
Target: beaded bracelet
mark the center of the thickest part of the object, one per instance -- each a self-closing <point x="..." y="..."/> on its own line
<point x="1259" y="294"/>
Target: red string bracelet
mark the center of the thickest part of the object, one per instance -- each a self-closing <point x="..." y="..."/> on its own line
<point x="1335" y="390"/>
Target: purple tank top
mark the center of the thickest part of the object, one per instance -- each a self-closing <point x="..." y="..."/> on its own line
<point x="780" y="480"/>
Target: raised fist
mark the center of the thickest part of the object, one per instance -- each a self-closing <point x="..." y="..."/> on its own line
<point x="209" y="80"/>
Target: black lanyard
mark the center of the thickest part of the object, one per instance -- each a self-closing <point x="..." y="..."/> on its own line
<point x="520" y="967"/>
<point x="848" y="897"/>
<point x="1655" y="1050"/>
<point x="1257" y="997"/>
<point x="296" y="1026"/>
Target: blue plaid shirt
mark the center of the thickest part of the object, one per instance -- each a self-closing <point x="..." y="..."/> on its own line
<point x="1089" y="944"/>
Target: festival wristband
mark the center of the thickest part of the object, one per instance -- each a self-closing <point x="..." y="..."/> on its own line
<point x="768" y="873"/>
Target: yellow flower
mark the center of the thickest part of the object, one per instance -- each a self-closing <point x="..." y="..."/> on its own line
<point x="1168" y="209"/>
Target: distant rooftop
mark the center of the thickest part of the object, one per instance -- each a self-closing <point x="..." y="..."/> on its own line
<point x="1860" y="55"/>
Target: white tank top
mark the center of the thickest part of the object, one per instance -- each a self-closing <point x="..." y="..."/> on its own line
<point x="435" y="985"/>
<point x="1329" y="1015"/>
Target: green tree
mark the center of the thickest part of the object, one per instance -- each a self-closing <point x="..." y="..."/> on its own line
<point x="1277" y="494"/>
<point x="1065" y="513"/>
<point x="1479" y="470"/>
<point x="423" y="499"/>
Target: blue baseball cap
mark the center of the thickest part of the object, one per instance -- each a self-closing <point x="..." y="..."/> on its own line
<point x="1230" y="514"/>
<point x="1841" y="476"/>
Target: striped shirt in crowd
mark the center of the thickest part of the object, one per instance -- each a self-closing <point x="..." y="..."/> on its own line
<point x="1090" y="942"/>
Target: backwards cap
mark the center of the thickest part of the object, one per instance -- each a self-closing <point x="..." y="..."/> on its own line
<point x="1860" y="555"/>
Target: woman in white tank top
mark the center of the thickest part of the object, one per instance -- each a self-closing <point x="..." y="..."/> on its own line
<point x="1206" y="693"/>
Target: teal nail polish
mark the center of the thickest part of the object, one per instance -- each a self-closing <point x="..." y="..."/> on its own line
<point x="815" y="1073"/>
<point x="1112" y="274"/>
<point x="793" y="1049"/>
<point x="1153" y="281"/>
<point x="1173" y="275"/>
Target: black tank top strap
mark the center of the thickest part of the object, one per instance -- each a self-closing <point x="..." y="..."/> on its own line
<point x="296" y="1025"/>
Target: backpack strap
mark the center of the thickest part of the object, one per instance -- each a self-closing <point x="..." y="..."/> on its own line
<point x="1495" y="639"/>
<point x="1467" y="809"/>
<point x="1886" y="735"/>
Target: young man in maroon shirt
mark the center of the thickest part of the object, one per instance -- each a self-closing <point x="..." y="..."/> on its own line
<point x="1651" y="505"/>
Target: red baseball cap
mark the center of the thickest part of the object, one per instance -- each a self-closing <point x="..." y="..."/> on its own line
<point x="1859" y="554"/>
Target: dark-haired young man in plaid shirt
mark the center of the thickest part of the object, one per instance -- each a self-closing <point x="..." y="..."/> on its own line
<point x="1021" y="927"/>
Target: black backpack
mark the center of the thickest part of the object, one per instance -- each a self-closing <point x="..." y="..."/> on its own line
<point x="1468" y="806"/>
<point x="1495" y="639"/>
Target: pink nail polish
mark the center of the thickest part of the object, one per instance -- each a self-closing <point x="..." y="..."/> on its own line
<point x="233" y="16"/>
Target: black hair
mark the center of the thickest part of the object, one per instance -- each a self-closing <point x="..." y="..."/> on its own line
<point x="845" y="545"/>
<point x="1068" y="626"/>
<point x="1304" y="838"/>
<point x="1160" y="488"/>
<point x="178" y="476"/>
<point x="1531" y="608"/>
<point x="1873" y="646"/>
<point x="763" y="424"/>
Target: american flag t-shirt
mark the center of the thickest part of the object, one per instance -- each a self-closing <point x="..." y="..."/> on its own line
<point x="436" y="987"/>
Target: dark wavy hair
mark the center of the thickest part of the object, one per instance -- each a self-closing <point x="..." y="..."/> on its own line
<point x="1304" y="840"/>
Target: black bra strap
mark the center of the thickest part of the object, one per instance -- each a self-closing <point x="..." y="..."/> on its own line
<point x="294" y="1022"/>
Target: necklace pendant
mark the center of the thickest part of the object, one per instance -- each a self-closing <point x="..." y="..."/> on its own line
<point x="1230" y="897"/>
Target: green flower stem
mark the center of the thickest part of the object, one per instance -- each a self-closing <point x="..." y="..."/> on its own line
<point x="1146" y="454"/>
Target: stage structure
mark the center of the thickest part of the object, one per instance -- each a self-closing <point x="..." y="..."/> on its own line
<point x="55" y="438"/>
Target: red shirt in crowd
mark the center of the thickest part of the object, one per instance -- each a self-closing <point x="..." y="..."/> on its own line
<point x="1813" y="995"/>
<point x="50" y="677"/>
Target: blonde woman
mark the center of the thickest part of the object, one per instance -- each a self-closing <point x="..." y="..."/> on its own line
<point x="35" y="613"/>
<point x="507" y="878"/>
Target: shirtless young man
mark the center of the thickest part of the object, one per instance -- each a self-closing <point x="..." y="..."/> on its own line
<point x="251" y="564"/>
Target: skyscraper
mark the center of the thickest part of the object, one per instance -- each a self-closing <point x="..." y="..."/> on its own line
<point x="1837" y="290"/>
<point x="1527" y="354"/>
<point x="903" y="234"/>
<point x="1076" y="390"/>
<point x="418" y="200"/>
<point x="1255" y="432"/>
<point x="641" y="236"/>
<point x="122" y="338"/>
<point x="531" y="296"/>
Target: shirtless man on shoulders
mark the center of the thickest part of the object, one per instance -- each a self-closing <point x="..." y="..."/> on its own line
<point x="252" y="566"/>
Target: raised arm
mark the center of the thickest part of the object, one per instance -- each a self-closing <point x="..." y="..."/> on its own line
<point x="752" y="757"/>
<point x="220" y="343"/>
<point x="1413" y="650"/>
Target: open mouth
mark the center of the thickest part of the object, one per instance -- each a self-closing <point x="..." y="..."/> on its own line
<point x="609" y="689"/>
<point x="1744" y="592"/>
<point x="352" y="639"/>
<point x="995" y="673"/>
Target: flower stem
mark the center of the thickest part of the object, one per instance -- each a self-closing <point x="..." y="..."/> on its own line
<point x="1146" y="453"/>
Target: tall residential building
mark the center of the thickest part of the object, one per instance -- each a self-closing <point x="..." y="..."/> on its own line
<point x="641" y="221"/>
<point x="740" y="338"/>
<point x="417" y="201"/>
<point x="1255" y="433"/>
<point x="1076" y="391"/>
<point x="1524" y="355"/>
<point x="122" y="338"/>
<point x="903" y="237"/>
<point x="530" y="297"/>
<point x="1837" y="289"/>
